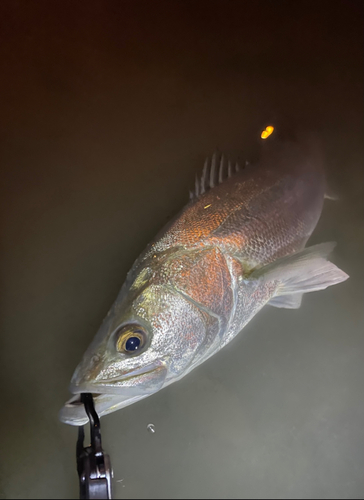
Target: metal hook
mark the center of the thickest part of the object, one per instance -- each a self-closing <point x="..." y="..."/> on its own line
<point x="93" y="465"/>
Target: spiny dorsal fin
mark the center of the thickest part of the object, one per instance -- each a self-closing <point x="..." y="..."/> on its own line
<point x="214" y="172"/>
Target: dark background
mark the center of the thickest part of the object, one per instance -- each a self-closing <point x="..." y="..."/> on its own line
<point x="107" y="111"/>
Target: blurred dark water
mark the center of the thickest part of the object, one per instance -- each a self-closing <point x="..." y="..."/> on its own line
<point x="107" y="111"/>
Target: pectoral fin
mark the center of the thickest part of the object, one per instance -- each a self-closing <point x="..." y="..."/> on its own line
<point x="302" y="272"/>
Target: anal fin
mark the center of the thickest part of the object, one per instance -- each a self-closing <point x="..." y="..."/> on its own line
<point x="331" y="195"/>
<point x="292" y="301"/>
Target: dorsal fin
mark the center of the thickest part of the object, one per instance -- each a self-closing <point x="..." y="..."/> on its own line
<point x="214" y="172"/>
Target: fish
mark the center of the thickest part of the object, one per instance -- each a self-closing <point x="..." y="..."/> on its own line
<point x="239" y="244"/>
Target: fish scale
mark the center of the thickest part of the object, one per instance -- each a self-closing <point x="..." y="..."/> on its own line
<point x="240" y="215"/>
<point x="238" y="245"/>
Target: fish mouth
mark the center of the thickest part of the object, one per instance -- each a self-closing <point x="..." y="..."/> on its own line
<point x="73" y="411"/>
<point x="112" y="395"/>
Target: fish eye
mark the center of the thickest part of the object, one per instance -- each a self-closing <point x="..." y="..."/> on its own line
<point x="131" y="339"/>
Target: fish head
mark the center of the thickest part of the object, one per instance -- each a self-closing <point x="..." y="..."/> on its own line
<point x="148" y="340"/>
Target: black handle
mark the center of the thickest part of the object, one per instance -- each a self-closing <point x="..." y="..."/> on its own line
<point x="93" y="465"/>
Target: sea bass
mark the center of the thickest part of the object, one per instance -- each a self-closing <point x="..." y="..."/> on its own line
<point x="238" y="245"/>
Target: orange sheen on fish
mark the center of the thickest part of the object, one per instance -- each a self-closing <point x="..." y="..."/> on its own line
<point x="239" y="244"/>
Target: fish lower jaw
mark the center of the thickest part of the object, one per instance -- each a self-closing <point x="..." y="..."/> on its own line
<point x="114" y="395"/>
<point x="73" y="411"/>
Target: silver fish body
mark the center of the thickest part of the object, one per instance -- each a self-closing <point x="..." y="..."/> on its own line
<point x="238" y="245"/>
